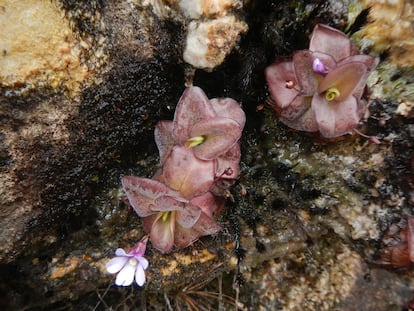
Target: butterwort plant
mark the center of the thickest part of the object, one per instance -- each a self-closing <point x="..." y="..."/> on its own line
<point x="199" y="157"/>
<point x="322" y="89"/>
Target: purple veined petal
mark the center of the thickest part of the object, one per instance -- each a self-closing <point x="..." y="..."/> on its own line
<point x="277" y="77"/>
<point x="126" y="276"/>
<point x="330" y="41"/>
<point x="344" y="78"/>
<point x="188" y="216"/>
<point x="229" y="108"/>
<point x="188" y="174"/>
<point x="220" y="134"/>
<point x="163" y="138"/>
<point x="139" y="275"/>
<point x="192" y="107"/>
<point x="120" y="252"/>
<point x="143" y="262"/>
<point x="335" y="118"/>
<point x="369" y="61"/>
<point x="162" y="232"/>
<point x="116" y="264"/>
<point x="142" y="193"/>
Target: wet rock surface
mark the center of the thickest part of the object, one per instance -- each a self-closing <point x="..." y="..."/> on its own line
<point x="303" y="228"/>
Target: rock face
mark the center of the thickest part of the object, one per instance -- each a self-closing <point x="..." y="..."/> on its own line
<point x="83" y="85"/>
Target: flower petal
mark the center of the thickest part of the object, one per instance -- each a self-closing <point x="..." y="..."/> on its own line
<point x="188" y="216"/>
<point x="162" y="232"/>
<point x="125" y="277"/>
<point x="229" y="108"/>
<point x="139" y="275"/>
<point x="192" y="107"/>
<point x="277" y="75"/>
<point x="116" y="264"/>
<point x="163" y="138"/>
<point x="220" y="135"/>
<point x="330" y="41"/>
<point x="188" y="174"/>
<point x="120" y="252"/>
<point x="345" y="78"/>
<point x="143" y="262"/>
<point x="142" y="193"/>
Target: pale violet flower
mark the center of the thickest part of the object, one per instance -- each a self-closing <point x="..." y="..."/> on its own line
<point x="129" y="265"/>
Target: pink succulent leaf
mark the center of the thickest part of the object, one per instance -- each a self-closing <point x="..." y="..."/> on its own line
<point x="370" y="62"/>
<point x="335" y="118"/>
<point x="282" y="83"/>
<point x="304" y="121"/>
<point x="344" y="78"/>
<point x="188" y="174"/>
<point x="148" y="221"/>
<point x="207" y="225"/>
<point x="296" y="109"/>
<point x="229" y="108"/>
<point x="192" y="107"/>
<point x="330" y="41"/>
<point x="228" y="163"/>
<point x="219" y="134"/>
<point x="162" y="232"/>
<point x="303" y="65"/>
<point x="188" y="216"/>
<point x="167" y="203"/>
<point x="142" y="193"/>
<point x="410" y="237"/>
<point x="209" y="204"/>
<point x="163" y="138"/>
<point x="185" y="236"/>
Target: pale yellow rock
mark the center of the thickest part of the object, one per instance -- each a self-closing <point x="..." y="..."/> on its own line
<point x="37" y="47"/>
<point x="391" y="29"/>
<point x="194" y="9"/>
<point x="209" y="42"/>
